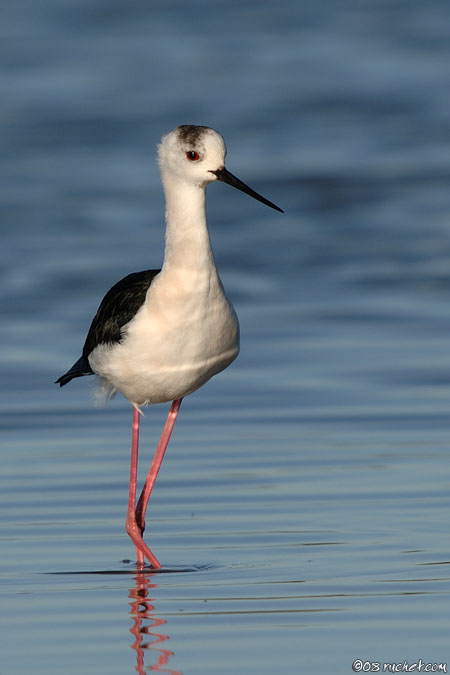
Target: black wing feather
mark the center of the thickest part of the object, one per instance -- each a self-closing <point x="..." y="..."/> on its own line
<point x="117" y="308"/>
<point x="81" y="367"/>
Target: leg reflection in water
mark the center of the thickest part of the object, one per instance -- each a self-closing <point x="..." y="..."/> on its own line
<point x="148" y="641"/>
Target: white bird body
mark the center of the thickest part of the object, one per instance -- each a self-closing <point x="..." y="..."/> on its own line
<point x="185" y="332"/>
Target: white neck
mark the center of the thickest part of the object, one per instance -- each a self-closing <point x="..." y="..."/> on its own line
<point x="187" y="238"/>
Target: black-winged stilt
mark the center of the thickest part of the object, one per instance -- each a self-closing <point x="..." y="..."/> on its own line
<point x="159" y="335"/>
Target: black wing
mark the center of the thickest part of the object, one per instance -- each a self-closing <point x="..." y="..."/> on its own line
<point x="117" y="308"/>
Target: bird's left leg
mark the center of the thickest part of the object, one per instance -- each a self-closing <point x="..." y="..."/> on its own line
<point x="133" y="529"/>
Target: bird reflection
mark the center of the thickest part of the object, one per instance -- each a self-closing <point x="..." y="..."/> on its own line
<point x="146" y="629"/>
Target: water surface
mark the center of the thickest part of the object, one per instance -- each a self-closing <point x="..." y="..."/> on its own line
<point x="301" y="511"/>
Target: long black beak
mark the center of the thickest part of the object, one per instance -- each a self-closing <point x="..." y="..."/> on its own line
<point x="227" y="177"/>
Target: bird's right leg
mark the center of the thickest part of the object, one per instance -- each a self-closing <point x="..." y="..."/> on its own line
<point x="142" y="504"/>
<point x="132" y="527"/>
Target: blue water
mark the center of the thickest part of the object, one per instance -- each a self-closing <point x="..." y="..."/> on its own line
<point x="302" y="509"/>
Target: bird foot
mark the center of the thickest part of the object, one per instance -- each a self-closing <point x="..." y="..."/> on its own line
<point x="142" y="550"/>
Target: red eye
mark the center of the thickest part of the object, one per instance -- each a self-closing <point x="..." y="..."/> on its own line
<point x="192" y="155"/>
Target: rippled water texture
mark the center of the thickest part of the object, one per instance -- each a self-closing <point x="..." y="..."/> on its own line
<point x="302" y="509"/>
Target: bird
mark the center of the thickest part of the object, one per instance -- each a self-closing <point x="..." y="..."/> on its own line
<point x="160" y="334"/>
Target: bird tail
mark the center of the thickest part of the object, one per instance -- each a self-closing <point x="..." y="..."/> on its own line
<point x="80" y="368"/>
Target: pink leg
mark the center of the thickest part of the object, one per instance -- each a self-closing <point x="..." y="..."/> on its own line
<point x="156" y="463"/>
<point x="133" y="529"/>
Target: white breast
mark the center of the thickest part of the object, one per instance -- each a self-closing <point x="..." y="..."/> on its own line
<point x="186" y="332"/>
